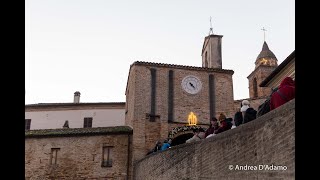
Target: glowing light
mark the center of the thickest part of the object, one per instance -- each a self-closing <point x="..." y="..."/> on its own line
<point x="264" y="61"/>
<point x="192" y="119"/>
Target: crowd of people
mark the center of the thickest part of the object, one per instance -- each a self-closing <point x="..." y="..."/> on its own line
<point x="279" y="96"/>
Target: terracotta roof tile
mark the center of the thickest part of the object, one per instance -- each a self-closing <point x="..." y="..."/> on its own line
<point x="182" y="67"/>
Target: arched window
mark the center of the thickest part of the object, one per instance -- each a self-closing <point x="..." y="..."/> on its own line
<point x="255" y="88"/>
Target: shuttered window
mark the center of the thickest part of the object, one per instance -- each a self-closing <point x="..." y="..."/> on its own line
<point x="106" y="156"/>
<point x="87" y="123"/>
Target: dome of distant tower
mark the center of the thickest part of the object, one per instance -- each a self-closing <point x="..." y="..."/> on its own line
<point x="266" y="52"/>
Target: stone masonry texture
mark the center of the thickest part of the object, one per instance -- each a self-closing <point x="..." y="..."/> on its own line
<point x="267" y="142"/>
<point x="79" y="157"/>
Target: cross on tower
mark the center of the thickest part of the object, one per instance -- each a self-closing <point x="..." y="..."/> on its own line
<point x="264" y="33"/>
<point x="211" y="29"/>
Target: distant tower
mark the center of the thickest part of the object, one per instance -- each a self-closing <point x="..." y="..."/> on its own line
<point x="265" y="63"/>
<point x="76" y="98"/>
<point x="211" y="50"/>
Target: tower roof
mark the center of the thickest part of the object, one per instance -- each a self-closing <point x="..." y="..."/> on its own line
<point x="266" y="52"/>
<point x="205" y="42"/>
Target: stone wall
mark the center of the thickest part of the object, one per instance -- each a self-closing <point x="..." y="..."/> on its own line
<point x="79" y="157"/>
<point x="263" y="149"/>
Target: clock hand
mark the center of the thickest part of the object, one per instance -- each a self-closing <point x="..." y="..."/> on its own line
<point x="191" y="85"/>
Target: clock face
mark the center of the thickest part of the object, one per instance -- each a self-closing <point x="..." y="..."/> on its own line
<point x="191" y="84"/>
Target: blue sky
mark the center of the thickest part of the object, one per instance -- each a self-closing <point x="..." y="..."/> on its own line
<point x="88" y="46"/>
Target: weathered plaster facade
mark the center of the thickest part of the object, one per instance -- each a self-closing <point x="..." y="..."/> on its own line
<point x="53" y="116"/>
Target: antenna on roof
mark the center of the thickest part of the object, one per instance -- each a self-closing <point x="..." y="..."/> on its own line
<point x="211" y="29"/>
<point x="264" y="33"/>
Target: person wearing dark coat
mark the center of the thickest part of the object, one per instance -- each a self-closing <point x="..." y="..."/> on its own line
<point x="224" y="124"/>
<point x="238" y="118"/>
<point x="286" y="92"/>
<point x="250" y="115"/>
<point x="248" y="112"/>
<point x="212" y="127"/>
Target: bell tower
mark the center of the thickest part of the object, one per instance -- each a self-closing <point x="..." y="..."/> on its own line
<point x="211" y="50"/>
<point x="265" y="63"/>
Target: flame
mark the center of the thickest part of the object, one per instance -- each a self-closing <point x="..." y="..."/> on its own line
<point x="192" y="119"/>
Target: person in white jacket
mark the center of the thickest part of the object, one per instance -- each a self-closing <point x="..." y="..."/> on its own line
<point x="195" y="136"/>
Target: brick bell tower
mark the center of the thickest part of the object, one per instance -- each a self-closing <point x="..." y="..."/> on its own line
<point x="265" y="63"/>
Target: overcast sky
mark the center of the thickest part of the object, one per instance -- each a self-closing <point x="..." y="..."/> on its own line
<point x="89" y="45"/>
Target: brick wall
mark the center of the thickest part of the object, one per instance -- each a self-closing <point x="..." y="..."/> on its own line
<point x="261" y="73"/>
<point x="79" y="157"/>
<point x="266" y="141"/>
<point x="146" y="133"/>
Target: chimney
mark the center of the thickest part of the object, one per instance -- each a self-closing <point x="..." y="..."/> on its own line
<point x="66" y="124"/>
<point x="76" y="97"/>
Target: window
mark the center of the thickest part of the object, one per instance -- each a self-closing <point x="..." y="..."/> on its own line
<point x="106" y="156"/>
<point x="87" y="122"/>
<point x="27" y="123"/>
<point x="54" y="155"/>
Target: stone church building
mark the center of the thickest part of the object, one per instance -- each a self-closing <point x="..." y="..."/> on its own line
<point x="160" y="97"/>
<point x="162" y="101"/>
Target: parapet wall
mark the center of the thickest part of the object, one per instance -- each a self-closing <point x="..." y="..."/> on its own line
<point x="261" y="149"/>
